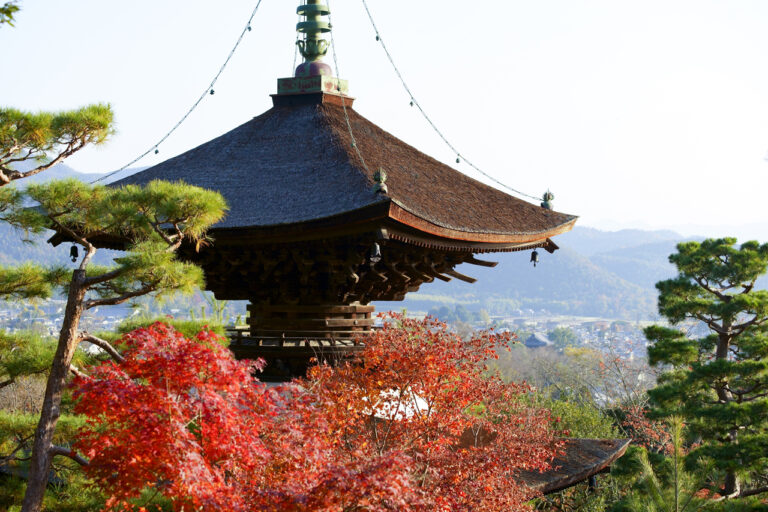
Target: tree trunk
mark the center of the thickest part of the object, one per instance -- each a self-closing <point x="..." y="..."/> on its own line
<point x="731" y="485"/>
<point x="40" y="463"/>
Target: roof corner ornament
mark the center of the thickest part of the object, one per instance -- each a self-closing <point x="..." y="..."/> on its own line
<point x="313" y="48"/>
<point x="380" y="177"/>
<point x="546" y="200"/>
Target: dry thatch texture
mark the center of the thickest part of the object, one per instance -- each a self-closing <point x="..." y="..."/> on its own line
<point x="296" y="163"/>
<point x="581" y="459"/>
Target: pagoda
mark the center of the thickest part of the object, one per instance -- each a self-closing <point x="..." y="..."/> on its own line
<point x="329" y="212"/>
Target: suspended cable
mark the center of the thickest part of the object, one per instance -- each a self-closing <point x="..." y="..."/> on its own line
<point x="296" y="46"/>
<point x="208" y="91"/>
<point x="343" y="101"/>
<point x="415" y="103"/>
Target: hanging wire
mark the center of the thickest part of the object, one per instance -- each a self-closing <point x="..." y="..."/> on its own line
<point x="343" y="101"/>
<point x="415" y="103"/>
<point x="296" y="46"/>
<point x="208" y="91"/>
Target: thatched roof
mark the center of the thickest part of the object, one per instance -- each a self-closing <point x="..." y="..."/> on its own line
<point x="581" y="459"/>
<point x="537" y="340"/>
<point x="296" y="163"/>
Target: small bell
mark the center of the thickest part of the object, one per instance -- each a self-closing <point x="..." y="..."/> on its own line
<point x="375" y="255"/>
<point x="157" y="151"/>
<point x="73" y="253"/>
<point x="213" y="92"/>
<point x="458" y="160"/>
<point x="411" y="103"/>
<point x="249" y="28"/>
<point x="378" y="38"/>
<point x="535" y="257"/>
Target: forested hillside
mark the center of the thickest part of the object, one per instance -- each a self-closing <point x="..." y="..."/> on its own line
<point x="594" y="273"/>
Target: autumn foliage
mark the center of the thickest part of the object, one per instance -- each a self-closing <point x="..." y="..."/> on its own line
<point x="414" y="423"/>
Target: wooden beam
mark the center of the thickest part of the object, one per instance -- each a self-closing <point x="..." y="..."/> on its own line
<point x="474" y="261"/>
<point x="461" y="277"/>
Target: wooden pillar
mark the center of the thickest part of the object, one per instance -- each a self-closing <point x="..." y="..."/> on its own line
<point x="291" y="337"/>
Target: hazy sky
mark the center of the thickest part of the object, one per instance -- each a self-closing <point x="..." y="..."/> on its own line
<point x="635" y="114"/>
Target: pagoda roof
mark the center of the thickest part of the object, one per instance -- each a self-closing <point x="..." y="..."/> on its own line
<point x="537" y="340"/>
<point x="578" y="460"/>
<point x="296" y="164"/>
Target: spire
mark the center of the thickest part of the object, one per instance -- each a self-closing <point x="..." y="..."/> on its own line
<point x="313" y="76"/>
<point x="313" y="48"/>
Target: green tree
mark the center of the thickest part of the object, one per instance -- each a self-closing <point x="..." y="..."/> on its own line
<point x="31" y="143"/>
<point x="658" y="483"/>
<point x="718" y="383"/>
<point x="152" y="222"/>
<point x="7" y="10"/>
<point x="563" y="337"/>
<point x="44" y="139"/>
<point x="39" y="141"/>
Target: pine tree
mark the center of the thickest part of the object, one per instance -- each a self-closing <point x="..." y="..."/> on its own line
<point x="37" y="142"/>
<point x="47" y="138"/>
<point x="152" y="222"/>
<point x="31" y="143"/>
<point x="7" y="10"/>
<point x="658" y="483"/>
<point x="717" y="383"/>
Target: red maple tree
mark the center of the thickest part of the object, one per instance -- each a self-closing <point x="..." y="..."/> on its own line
<point x="413" y="423"/>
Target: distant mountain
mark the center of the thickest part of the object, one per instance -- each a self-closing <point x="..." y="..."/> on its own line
<point x="589" y="241"/>
<point x="565" y="282"/>
<point x="61" y="171"/>
<point x="17" y="246"/>
<point x="594" y="273"/>
<point x="610" y="274"/>
<point x="643" y="265"/>
<point x="57" y="172"/>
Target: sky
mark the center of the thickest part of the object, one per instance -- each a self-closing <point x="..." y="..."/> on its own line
<point x="648" y="114"/>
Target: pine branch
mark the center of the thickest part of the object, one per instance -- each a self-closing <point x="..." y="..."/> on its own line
<point x="745" y="325"/>
<point x="156" y="227"/>
<point x="103" y="278"/>
<point x="104" y="345"/>
<point x="714" y="291"/>
<point x="60" y="450"/>
<point x="711" y="324"/>
<point x="111" y="301"/>
<point x="12" y="175"/>
<point x="753" y="492"/>
<point x="20" y="445"/>
<point x="82" y="241"/>
<point x="76" y="371"/>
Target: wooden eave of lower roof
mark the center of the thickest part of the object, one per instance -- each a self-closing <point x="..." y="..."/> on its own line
<point x="386" y="217"/>
<point x="399" y="224"/>
<point x="400" y="214"/>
